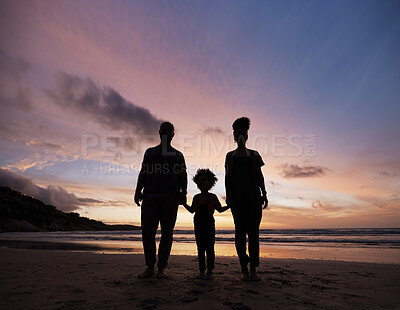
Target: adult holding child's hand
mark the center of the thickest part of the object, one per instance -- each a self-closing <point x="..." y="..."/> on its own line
<point x="246" y="196"/>
<point x="161" y="186"/>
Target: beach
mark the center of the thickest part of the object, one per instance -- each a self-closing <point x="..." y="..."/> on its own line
<point x="57" y="279"/>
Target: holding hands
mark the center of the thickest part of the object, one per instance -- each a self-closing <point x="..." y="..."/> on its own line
<point x="182" y="198"/>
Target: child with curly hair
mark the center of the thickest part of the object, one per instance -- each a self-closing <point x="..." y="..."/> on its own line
<point x="203" y="206"/>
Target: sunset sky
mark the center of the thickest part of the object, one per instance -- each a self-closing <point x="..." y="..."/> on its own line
<point x="84" y="86"/>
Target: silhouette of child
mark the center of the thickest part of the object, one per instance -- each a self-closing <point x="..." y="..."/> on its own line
<point x="203" y="206"/>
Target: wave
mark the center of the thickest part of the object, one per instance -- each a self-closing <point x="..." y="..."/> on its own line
<point x="388" y="237"/>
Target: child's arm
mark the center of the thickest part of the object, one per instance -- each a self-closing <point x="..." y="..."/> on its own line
<point x="193" y="208"/>
<point x="222" y="209"/>
<point x="218" y="207"/>
<point x="189" y="208"/>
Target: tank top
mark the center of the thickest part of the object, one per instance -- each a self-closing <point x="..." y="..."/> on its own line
<point x="245" y="187"/>
<point x="202" y="212"/>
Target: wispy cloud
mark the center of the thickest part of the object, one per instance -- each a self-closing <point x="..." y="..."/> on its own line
<point x="295" y="171"/>
<point x="390" y="174"/>
<point x="389" y="203"/>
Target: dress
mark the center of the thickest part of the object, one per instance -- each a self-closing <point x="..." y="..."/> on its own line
<point x="204" y="228"/>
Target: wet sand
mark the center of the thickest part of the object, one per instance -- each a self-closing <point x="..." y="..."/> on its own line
<point x="54" y="279"/>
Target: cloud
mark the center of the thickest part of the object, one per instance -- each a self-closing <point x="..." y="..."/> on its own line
<point x="274" y="185"/>
<point x="103" y="104"/>
<point x="13" y="66"/>
<point x="53" y="195"/>
<point x="213" y="131"/>
<point x="43" y="145"/>
<point x="317" y="204"/>
<point x="13" y="92"/>
<point x="295" y="171"/>
<point x="387" y="174"/>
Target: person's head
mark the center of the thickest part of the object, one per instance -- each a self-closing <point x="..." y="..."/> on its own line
<point x="166" y="132"/>
<point x="240" y="129"/>
<point x="205" y="179"/>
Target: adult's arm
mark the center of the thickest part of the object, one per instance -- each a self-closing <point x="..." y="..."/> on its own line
<point x="141" y="181"/>
<point x="261" y="184"/>
<point x="228" y="181"/>
<point x="183" y="182"/>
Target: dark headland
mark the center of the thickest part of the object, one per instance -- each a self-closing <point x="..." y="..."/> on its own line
<point x="21" y="213"/>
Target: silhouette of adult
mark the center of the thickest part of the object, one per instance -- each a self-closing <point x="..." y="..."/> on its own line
<point x="246" y="195"/>
<point x="163" y="179"/>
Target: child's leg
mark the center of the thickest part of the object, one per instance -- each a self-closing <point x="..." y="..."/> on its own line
<point x="210" y="260"/>
<point x="210" y="247"/>
<point x="200" y="247"/>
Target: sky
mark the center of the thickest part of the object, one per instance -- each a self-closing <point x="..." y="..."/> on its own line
<point x="84" y="86"/>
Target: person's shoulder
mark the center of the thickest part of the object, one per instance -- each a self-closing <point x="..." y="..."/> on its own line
<point x="214" y="200"/>
<point x="228" y="158"/>
<point x="195" y="197"/>
<point x="230" y="154"/>
<point x="153" y="148"/>
<point x="257" y="157"/>
<point x="214" y="196"/>
<point x="254" y="152"/>
<point x="177" y="152"/>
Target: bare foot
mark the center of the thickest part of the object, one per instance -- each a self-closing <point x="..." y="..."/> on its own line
<point x="245" y="274"/>
<point x="200" y="275"/>
<point x="253" y="275"/>
<point x="209" y="274"/>
<point x="161" y="273"/>
<point x="147" y="273"/>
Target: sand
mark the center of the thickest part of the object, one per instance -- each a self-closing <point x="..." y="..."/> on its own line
<point x="51" y="279"/>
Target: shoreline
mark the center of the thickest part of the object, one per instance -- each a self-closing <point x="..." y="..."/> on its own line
<point x="72" y="247"/>
<point x="346" y="254"/>
<point x="55" y="279"/>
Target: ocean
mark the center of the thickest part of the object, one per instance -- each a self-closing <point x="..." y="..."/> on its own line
<point x="381" y="245"/>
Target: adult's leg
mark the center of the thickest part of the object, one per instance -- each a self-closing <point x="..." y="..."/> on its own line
<point x="168" y="212"/>
<point x="150" y="219"/>
<point x="201" y="256"/>
<point x="254" y="220"/>
<point x="240" y="237"/>
<point x="254" y="246"/>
